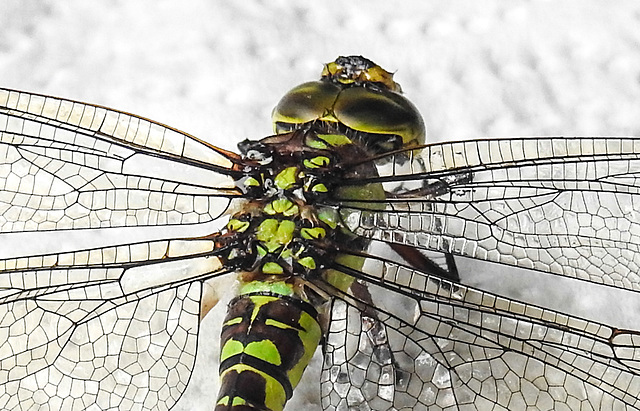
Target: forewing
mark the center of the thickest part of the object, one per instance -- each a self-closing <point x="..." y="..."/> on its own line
<point x="436" y="345"/>
<point x="107" y="328"/>
<point x="69" y="165"/>
<point x="568" y="206"/>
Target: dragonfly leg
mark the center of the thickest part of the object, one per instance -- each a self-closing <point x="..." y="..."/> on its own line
<point x="421" y="262"/>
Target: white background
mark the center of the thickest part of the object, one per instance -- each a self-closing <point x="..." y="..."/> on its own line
<point x="215" y="69"/>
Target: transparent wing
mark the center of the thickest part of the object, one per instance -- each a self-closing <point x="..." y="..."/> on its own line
<point x="106" y="328"/>
<point x="69" y="165"/>
<point x="568" y="206"/>
<point x="436" y="345"/>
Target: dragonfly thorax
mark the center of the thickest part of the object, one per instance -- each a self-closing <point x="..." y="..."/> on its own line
<point x="278" y="232"/>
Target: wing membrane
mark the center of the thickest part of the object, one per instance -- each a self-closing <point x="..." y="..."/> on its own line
<point x="137" y="354"/>
<point x="113" y="126"/>
<point x="567" y="206"/>
<point x="69" y="165"/>
<point x="113" y="271"/>
<point x="113" y="326"/>
<point x="456" y="347"/>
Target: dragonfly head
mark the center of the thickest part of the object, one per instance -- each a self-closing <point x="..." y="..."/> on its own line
<point x="359" y="94"/>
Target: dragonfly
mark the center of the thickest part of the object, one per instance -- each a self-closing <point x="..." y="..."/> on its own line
<point x="341" y="230"/>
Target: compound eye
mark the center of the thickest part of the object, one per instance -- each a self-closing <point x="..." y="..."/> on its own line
<point x="306" y="102"/>
<point x="380" y="111"/>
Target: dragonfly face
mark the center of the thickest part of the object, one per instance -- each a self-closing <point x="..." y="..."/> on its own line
<point x="341" y="228"/>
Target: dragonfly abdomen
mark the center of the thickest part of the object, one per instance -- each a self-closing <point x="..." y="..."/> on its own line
<point x="267" y="341"/>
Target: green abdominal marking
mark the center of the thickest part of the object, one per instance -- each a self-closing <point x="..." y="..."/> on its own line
<point x="267" y="341"/>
